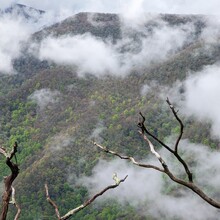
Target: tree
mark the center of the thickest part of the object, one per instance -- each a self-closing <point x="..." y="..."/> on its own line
<point x="144" y="132"/>
<point x="9" y="192"/>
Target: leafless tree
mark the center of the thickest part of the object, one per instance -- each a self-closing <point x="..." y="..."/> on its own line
<point x="9" y="192"/>
<point x="144" y="132"/>
<point x="85" y="204"/>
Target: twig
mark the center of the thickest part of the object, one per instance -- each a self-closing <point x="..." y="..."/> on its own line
<point x="13" y="201"/>
<point x="153" y="151"/>
<point x="52" y="202"/>
<point x="128" y="158"/>
<point x="174" y="152"/>
<point x="180" y="123"/>
<point x="144" y="129"/>
<point x="82" y="206"/>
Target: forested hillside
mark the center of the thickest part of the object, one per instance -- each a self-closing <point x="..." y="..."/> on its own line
<point x="58" y="101"/>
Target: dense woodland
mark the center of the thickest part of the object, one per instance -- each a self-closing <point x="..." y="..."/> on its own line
<point x="57" y="138"/>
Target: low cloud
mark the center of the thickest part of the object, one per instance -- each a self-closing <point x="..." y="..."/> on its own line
<point x="16" y="30"/>
<point x="14" y="33"/>
<point x="60" y="142"/>
<point x="45" y="97"/>
<point x="90" y="54"/>
<point x="197" y="96"/>
<point x="157" y="45"/>
<point x="211" y="32"/>
<point x="146" y="186"/>
<point x="96" y="133"/>
<point x="201" y="94"/>
<point x="100" y="57"/>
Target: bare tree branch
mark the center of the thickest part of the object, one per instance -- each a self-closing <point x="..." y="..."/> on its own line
<point x="128" y="158"/>
<point x="82" y="206"/>
<point x="9" y="179"/>
<point x="13" y="202"/>
<point x="153" y="151"/>
<point x="174" y="152"/>
<point x="144" y="129"/>
<point x="166" y="170"/>
<point x="52" y="202"/>
<point x="180" y="123"/>
<point x="189" y="184"/>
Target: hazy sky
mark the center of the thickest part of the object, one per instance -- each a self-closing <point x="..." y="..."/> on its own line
<point x="128" y="6"/>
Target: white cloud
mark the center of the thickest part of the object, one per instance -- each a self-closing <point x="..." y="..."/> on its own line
<point x="13" y="32"/>
<point x="202" y="91"/>
<point x="90" y="54"/>
<point x="93" y="55"/>
<point x="98" y="58"/>
<point x="6" y="3"/>
<point x="60" y="142"/>
<point x="145" y="89"/>
<point x="200" y="96"/>
<point x="44" y="97"/>
<point x="129" y="7"/>
<point x="95" y="136"/>
<point x="211" y="32"/>
<point x="162" y="42"/>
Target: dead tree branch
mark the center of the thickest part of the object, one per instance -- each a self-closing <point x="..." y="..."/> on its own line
<point x="143" y="128"/>
<point x="13" y="202"/>
<point x="82" y="206"/>
<point x="180" y="123"/>
<point x="153" y="151"/>
<point x="52" y="202"/>
<point x="128" y="158"/>
<point x="189" y="184"/>
<point x="166" y="170"/>
<point x="8" y="180"/>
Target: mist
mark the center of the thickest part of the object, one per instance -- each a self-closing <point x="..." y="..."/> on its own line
<point x="60" y="141"/>
<point x="164" y="198"/>
<point x="198" y="96"/>
<point x="14" y="32"/>
<point x="99" y="57"/>
<point x="45" y="97"/>
<point x="201" y="96"/>
<point x="91" y="54"/>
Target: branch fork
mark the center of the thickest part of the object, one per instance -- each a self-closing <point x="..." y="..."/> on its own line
<point x="165" y="169"/>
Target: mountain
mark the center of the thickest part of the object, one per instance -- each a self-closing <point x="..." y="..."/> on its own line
<point x="19" y="10"/>
<point x="54" y="112"/>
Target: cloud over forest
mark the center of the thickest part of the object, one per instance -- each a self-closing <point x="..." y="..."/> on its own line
<point x="99" y="57"/>
<point x="201" y="92"/>
<point x="45" y="97"/>
<point x="147" y="186"/>
<point x="197" y="96"/>
<point x="13" y="33"/>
